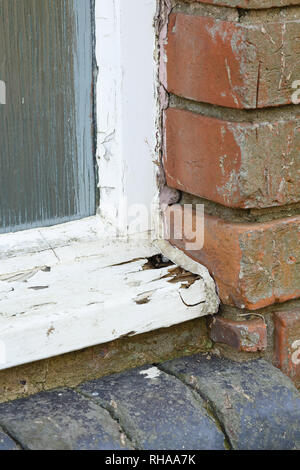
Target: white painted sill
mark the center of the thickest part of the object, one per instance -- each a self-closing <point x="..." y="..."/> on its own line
<point x="71" y="286"/>
<point x="75" y="285"/>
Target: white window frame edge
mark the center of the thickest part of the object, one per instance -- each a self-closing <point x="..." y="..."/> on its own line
<point x="124" y="30"/>
<point x="126" y="107"/>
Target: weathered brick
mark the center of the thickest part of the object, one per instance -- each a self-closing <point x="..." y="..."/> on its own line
<point x="242" y="165"/>
<point x="253" y="264"/>
<point x="249" y="4"/>
<point x="232" y="64"/>
<point x="287" y="343"/>
<point x="248" y="336"/>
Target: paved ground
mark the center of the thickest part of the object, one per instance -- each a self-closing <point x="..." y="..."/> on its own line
<point x="194" y="403"/>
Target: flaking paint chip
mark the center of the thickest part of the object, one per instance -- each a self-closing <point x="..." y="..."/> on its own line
<point x="152" y="373"/>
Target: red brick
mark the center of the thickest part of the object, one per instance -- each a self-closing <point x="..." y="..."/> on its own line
<point x="235" y="164"/>
<point x="254" y="264"/>
<point x="248" y="336"/>
<point x="287" y="343"/>
<point x="232" y="64"/>
<point x="249" y="4"/>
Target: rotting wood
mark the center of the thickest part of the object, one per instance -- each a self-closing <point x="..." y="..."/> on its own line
<point x="97" y="290"/>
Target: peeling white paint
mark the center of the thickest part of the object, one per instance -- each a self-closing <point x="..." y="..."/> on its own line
<point x="194" y="294"/>
<point x="126" y="105"/>
<point x="76" y="293"/>
<point x="152" y="373"/>
<point x="179" y="258"/>
<point x="70" y="286"/>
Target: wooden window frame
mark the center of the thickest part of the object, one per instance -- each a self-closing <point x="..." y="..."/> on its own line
<point x="33" y="261"/>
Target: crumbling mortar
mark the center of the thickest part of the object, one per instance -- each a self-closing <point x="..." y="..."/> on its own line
<point x="200" y="9"/>
<point x="263" y="115"/>
<point x="236" y="215"/>
<point x="238" y="14"/>
<point x="167" y="195"/>
<point x="234" y="313"/>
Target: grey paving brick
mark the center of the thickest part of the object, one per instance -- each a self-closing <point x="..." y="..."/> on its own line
<point x="6" y="443"/>
<point x="157" y="410"/>
<point x="61" y="420"/>
<point x="258" y="406"/>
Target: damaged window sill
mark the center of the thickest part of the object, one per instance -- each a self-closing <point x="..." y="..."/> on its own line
<point x="71" y="286"/>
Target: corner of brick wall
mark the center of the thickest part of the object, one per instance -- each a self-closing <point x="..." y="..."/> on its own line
<point x="232" y="142"/>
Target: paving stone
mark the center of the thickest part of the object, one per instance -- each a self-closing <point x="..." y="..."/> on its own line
<point x="6" y="443"/>
<point x="61" y="420"/>
<point x="157" y="410"/>
<point x="258" y="406"/>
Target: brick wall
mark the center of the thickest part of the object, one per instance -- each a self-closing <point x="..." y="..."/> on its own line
<point x="232" y="141"/>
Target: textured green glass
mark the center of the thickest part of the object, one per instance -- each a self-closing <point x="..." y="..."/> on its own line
<point x="46" y="126"/>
